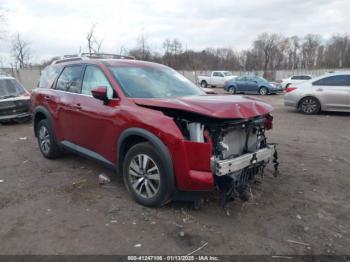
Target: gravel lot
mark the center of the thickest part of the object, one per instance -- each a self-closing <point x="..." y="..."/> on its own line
<point x="57" y="207"/>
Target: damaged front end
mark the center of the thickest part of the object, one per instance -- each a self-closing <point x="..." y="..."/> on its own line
<point x="239" y="150"/>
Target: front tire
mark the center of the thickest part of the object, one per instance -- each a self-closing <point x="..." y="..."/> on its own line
<point x="309" y="106"/>
<point x="146" y="177"/>
<point x="263" y="91"/>
<point x="232" y="90"/>
<point x="46" y="140"/>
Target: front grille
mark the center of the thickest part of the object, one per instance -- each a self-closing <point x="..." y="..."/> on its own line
<point x="14" y="107"/>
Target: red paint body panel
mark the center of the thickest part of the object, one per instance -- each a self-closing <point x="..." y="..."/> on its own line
<point x="224" y="107"/>
<point x="91" y="124"/>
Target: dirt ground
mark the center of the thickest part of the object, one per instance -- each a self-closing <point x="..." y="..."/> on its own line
<point x="57" y="206"/>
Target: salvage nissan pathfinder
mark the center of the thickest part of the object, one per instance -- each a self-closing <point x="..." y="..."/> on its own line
<point x="167" y="137"/>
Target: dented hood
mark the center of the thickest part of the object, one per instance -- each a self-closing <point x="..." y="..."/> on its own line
<point x="217" y="106"/>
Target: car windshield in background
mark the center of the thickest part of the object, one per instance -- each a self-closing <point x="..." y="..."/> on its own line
<point x="154" y="82"/>
<point x="263" y="79"/>
<point x="227" y="74"/>
<point x="10" y="88"/>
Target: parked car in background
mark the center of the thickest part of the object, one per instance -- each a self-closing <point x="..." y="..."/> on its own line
<point x="14" y="100"/>
<point x="166" y="137"/>
<point x="252" y="84"/>
<point x="295" y="79"/>
<point x="216" y="79"/>
<point x="330" y="92"/>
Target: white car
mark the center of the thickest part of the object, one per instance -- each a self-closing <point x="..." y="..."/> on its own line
<point x="295" y="79"/>
<point x="329" y="92"/>
<point x="216" y="79"/>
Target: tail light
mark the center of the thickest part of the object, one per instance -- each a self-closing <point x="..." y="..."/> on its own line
<point x="290" y="89"/>
<point x="268" y="121"/>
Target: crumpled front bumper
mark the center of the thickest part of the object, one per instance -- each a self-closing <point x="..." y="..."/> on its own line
<point x="228" y="166"/>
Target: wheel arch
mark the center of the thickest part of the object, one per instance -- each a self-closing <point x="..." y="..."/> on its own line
<point x="133" y="136"/>
<point x="39" y="114"/>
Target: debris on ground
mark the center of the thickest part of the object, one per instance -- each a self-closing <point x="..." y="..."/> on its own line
<point x="23" y="138"/>
<point x="103" y="179"/>
<point x="297" y="242"/>
<point x="1" y="181"/>
<point x="78" y="183"/>
<point x="182" y="234"/>
<point x="298" y="216"/>
<point x="194" y="251"/>
<point x="137" y="245"/>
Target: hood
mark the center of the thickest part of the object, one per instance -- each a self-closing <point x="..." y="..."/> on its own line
<point x="216" y="106"/>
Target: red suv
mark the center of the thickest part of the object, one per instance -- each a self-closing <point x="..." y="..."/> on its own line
<point x="167" y="137"/>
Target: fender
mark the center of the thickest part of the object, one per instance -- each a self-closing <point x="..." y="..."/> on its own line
<point x="153" y="139"/>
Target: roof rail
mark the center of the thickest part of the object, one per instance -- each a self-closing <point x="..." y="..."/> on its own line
<point x="87" y="56"/>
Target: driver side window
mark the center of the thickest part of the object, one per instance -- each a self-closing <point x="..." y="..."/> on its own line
<point x="94" y="77"/>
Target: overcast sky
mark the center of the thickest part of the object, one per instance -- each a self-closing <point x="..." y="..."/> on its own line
<point x="56" y="27"/>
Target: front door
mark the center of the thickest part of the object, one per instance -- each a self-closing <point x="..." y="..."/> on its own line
<point x="94" y="121"/>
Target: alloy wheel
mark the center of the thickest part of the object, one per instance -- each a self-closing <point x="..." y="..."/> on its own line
<point x="263" y="91"/>
<point x="144" y="176"/>
<point x="309" y="105"/>
<point x="44" y="138"/>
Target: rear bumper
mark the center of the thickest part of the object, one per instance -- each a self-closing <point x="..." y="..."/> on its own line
<point x="16" y="116"/>
<point x="228" y="166"/>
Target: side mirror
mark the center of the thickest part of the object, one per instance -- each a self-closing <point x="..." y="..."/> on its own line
<point x="100" y="93"/>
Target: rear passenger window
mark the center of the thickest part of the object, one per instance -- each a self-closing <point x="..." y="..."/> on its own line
<point x="70" y="79"/>
<point x="339" y="80"/>
<point x="48" y="76"/>
<point x="297" y="77"/>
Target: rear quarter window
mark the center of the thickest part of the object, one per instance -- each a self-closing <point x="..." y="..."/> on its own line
<point x="48" y="76"/>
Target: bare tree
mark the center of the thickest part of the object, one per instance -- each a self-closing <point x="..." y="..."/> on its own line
<point x="94" y="45"/>
<point x="142" y="50"/>
<point x="309" y="50"/>
<point x="21" y="51"/>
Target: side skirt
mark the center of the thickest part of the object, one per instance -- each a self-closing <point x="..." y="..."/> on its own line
<point x="87" y="153"/>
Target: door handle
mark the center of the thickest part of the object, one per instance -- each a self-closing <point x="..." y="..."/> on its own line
<point x="319" y="89"/>
<point x="77" y="106"/>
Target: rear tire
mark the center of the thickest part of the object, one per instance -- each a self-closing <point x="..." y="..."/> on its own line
<point x="146" y="177"/>
<point x="263" y="91"/>
<point x="204" y="84"/>
<point x="309" y="106"/>
<point x="46" y="140"/>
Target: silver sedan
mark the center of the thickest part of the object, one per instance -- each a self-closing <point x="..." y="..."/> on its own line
<point x="329" y="92"/>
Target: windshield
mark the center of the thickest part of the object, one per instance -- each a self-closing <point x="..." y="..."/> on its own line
<point x="10" y="88"/>
<point x="154" y="82"/>
<point x="227" y="73"/>
<point x="263" y="79"/>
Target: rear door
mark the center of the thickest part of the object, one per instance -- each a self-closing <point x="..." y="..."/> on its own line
<point x="333" y="92"/>
<point x="60" y="100"/>
<point x="94" y="122"/>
